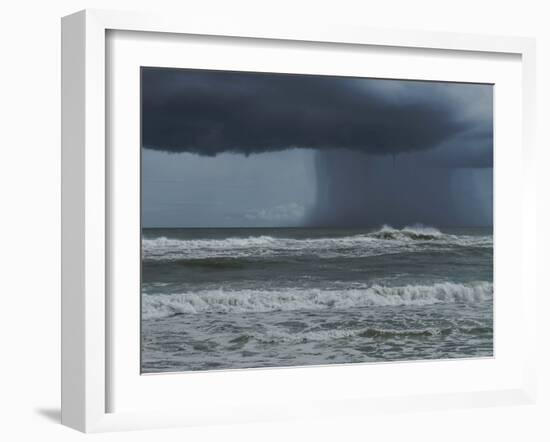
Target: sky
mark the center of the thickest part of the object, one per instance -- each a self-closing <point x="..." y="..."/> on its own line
<point x="244" y="149"/>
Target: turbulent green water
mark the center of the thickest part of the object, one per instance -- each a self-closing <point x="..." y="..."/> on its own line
<point x="235" y="298"/>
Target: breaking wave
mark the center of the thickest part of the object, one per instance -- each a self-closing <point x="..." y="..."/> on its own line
<point x="417" y="232"/>
<point x="386" y="240"/>
<point x="241" y="301"/>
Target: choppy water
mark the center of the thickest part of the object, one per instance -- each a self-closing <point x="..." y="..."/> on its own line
<point x="236" y="298"/>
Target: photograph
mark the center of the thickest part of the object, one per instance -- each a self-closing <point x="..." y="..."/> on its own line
<point x="303" y="220"/>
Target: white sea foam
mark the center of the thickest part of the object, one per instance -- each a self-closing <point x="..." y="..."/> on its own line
<point x="416" y="232"/>
<point x="240" y="301"/>
<point x="386" y="240"/>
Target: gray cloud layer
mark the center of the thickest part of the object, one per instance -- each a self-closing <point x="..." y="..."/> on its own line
<point x="210" y="112"/>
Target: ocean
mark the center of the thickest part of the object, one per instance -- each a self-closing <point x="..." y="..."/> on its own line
<point x="241" y="298"/>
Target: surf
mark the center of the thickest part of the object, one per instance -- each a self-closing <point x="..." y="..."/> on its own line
<point x="415" y="232"/>
<point x="156" y="306"/>
<point x="385" y="240"/>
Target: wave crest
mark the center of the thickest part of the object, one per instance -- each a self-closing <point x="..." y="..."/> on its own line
<point x="416" y="232"/>
<point x="386" y="240"/>
<point x="242" y="301"/>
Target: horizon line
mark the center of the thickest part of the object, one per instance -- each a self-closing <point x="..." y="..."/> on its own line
<point x="319" y="226"/>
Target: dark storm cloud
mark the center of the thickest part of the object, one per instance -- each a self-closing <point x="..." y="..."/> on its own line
<point x="209" y="112"/>
<point x="470" y="149"/>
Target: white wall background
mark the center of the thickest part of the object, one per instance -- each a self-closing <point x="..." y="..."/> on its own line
<point x="30" y="216"/>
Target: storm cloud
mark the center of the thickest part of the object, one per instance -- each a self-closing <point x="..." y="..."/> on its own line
<point x="383" y="151"/>
<point x="210" y="112"/>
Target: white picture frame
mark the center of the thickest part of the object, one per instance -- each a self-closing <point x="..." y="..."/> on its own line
<point x="86" y="204"/>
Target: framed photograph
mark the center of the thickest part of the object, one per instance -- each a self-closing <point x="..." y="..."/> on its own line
<point x="262" y="222"/>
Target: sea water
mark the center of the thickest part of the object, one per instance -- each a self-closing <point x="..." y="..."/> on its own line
<point x="242" y="298"/>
